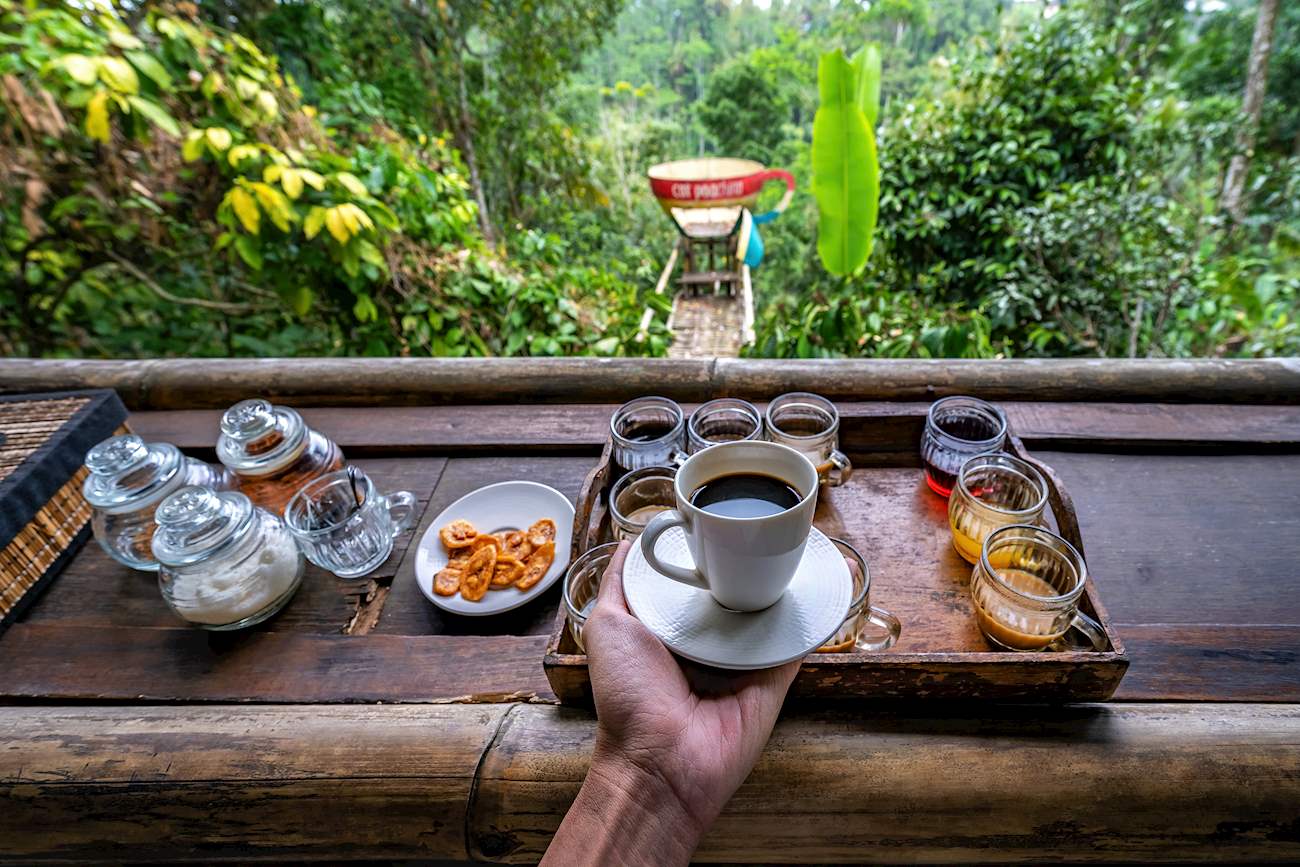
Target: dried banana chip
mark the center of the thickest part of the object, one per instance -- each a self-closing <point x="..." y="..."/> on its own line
<point x="477" y="576"/>
<point x="517" y="545"/>
<point x="458" y="534"/>
<point x="508" y="571"/>
<point x="541" y="532"/>
<point x="537" y="565"/>
<point x="447" y="582"/>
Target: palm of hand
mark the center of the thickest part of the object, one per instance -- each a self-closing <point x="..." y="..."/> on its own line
<point x="698" y="729"/>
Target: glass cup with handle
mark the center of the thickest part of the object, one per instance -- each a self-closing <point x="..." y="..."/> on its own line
<point x="810" y="424"/>
<point x="865" y="627"/>
<point x="344" y="525"/>
<point x="647" y="432"/>
<point x="1026" y="588"/>
<point x="957" y="428"/>
<point x="993" y="491"/>
<point x="581" y="586"/>
<point x="724" y="420"/>
<point x="638" y="497"/>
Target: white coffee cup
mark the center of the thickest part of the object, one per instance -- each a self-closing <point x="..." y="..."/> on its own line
<point x="744" y="563"/>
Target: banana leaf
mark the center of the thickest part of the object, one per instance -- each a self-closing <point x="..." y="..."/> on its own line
<point x="846" y="175"/>
<point x="866" y="66"/>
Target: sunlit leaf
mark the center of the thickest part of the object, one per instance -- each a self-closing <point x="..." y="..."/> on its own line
<point x="218" y="137"/>
<point x="118" y="74"/>
<point x="122" y="39"/>
<point x="315" y="220"/>
<point x="245" y="208"/>
<point x="364" y="309"/>
<point x="337" y="226"/>
<point x="97" y="116"/>
<point x="156" y="114"/>
<point x="193" y="147"/>
<point x="291" y="181"/>
<point x="150" y="66"/>
<point x="351" y="183"/>
<point x="845" y="173"/>
<point x="80" y="67"/>
<point x="312" y="179"/>
<point x="866" y="70"/>
<point x="277" y="207"/>
<point x="266" y="102"/>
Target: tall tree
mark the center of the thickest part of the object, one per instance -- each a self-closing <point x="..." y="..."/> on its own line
<point x="1233" y="200"/>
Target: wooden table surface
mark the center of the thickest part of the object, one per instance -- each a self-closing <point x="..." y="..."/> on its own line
<point x="363" y="723"/>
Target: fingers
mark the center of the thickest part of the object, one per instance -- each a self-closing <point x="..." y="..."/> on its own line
<point x="611" y="583"/>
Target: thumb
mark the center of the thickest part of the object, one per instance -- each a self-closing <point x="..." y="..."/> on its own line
<point x="611" y="583"/>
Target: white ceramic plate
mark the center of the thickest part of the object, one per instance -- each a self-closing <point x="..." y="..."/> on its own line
<point x="505" y="505"/>
<point x="692" y="625"/>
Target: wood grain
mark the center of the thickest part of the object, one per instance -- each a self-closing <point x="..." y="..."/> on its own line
<point x="192" y="383"/>
<point x="1183" y="662"/>
<point x="543" y="428"/>
<point x="159" y="783"/>
<point x="1087" y="783"/>
<point x="69" y="663"/>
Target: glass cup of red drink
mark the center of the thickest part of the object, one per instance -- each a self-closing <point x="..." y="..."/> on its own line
<point x="956" y="429"/>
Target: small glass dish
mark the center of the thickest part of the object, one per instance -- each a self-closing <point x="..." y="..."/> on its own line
<point x="958" y="428"/>
<point x="854" y="634"/>
<point x="638" y="497"/>
<point x="993" y="491"/>
<point x="581" y="586"/>
<point x="724" y="420"/>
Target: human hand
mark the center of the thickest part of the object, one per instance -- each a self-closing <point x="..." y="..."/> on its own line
<point x="680" y="737"/>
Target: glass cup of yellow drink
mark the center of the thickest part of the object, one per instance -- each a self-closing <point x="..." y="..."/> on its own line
<point x="993" y="491"/>
<point x="1026" y="589"/>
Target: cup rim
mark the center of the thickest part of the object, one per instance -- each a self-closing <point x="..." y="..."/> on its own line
<point x="324" y="482"/>
<point x="684" y="503"/>
<point x="1016" y="463"/>
<point x="977" y="404"/>
<point x="1076" y="562"/>
<point x="736" y="405"/>
<point x="665" y="402"/>
<point x="606" y="549"/>
<point x="816" y="398"/>
<point x="655" y="471"/>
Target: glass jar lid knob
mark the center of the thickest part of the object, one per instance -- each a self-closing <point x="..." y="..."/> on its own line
<point x="116" y="454"/>
<point x="195" y="521"/>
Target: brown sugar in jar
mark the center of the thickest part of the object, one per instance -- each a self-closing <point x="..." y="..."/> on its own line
<point x="273" y="452"/>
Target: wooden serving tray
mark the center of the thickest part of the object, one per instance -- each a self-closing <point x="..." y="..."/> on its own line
<point x="901" y="527"/>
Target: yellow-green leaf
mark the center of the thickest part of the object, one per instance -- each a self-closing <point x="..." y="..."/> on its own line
<point x="351" y="183"/>
<point x="300" y="300"/>
<point x="272" y="173"/>
<point x="845" y="181"/>
<point x="245" y="209"/>
<point x="336" y="225"/>
<point x="312" y="179"/>
<point x="364" y="309"/>
<point x="275" y="204"/>
<point x="212" y="84"/>
<point x="149" y="65"/>
<point x="361" y="216"/>
<point x="97" y="116"/>
<point x="314" y="222"/>
<point x="241" y="152"/>
<point x="118" y="74"/>
<point x="193" y="147"/>
<point x="246" y="87"/>
<point x="218" y="137"/>
<point x="291" y="180"/>
<point x="156" y="114"/>
<point x="350" y="219"/>
<point x="80" y="67"/>
<point x="122" y="39"/>
<point x="266" y="102"/>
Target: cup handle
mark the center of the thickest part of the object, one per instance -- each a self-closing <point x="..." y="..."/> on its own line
<point x="1090" y="628"/>
<point x="841" y="468"/>
<point x="887" y="624"/>
<point x="401" y="508"/>
<point x="658" y="525"/>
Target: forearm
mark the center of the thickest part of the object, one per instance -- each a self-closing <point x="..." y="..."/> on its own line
<point x="622" y="816"/>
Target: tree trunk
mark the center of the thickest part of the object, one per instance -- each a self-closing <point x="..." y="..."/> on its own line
<point x="1233" y="200"/>
<point x="464" y="130"/>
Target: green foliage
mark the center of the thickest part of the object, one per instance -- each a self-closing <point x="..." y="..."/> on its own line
<point x="846" y="177"/>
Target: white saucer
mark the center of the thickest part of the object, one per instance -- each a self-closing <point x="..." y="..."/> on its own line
<point x="505" y="505"/>
<point x="693" y="626"/>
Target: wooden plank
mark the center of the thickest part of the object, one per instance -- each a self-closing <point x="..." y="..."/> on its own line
<point x="543" y="428"/>
<point x="407" y="612"/>
<point x="1087" y="784"/>
<point x="1181" y="662"/>
<point x="62" y="663"/>
<point x="96" y="590"/>
<point x="251" y="783"/>
<point x="194" y="383"/>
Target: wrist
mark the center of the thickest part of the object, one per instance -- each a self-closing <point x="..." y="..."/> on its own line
<point x="627" y="815"/>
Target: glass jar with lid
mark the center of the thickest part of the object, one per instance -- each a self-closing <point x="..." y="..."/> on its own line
<point x="226" y="564"/>
<point x="273" y="452"/>
<point x="128" y="479"/>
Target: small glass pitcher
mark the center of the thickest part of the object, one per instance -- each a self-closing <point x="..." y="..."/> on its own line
<point x="128" y="478"/>
<point x="273" y="452"/>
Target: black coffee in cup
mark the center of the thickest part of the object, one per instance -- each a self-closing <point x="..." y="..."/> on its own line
<point x="745" y="495"/>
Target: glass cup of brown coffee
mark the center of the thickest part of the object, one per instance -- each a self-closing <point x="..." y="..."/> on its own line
<point x="724" y="420"/>
<point x="638" y="497"/>
<point x="866" y="628"/>
<point x="993" y="491"/>
<point x="647" y="432"/>
<point x="1026" y="589"/>
<point x="582" y="585"/>
<point x="810" y="424"/>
